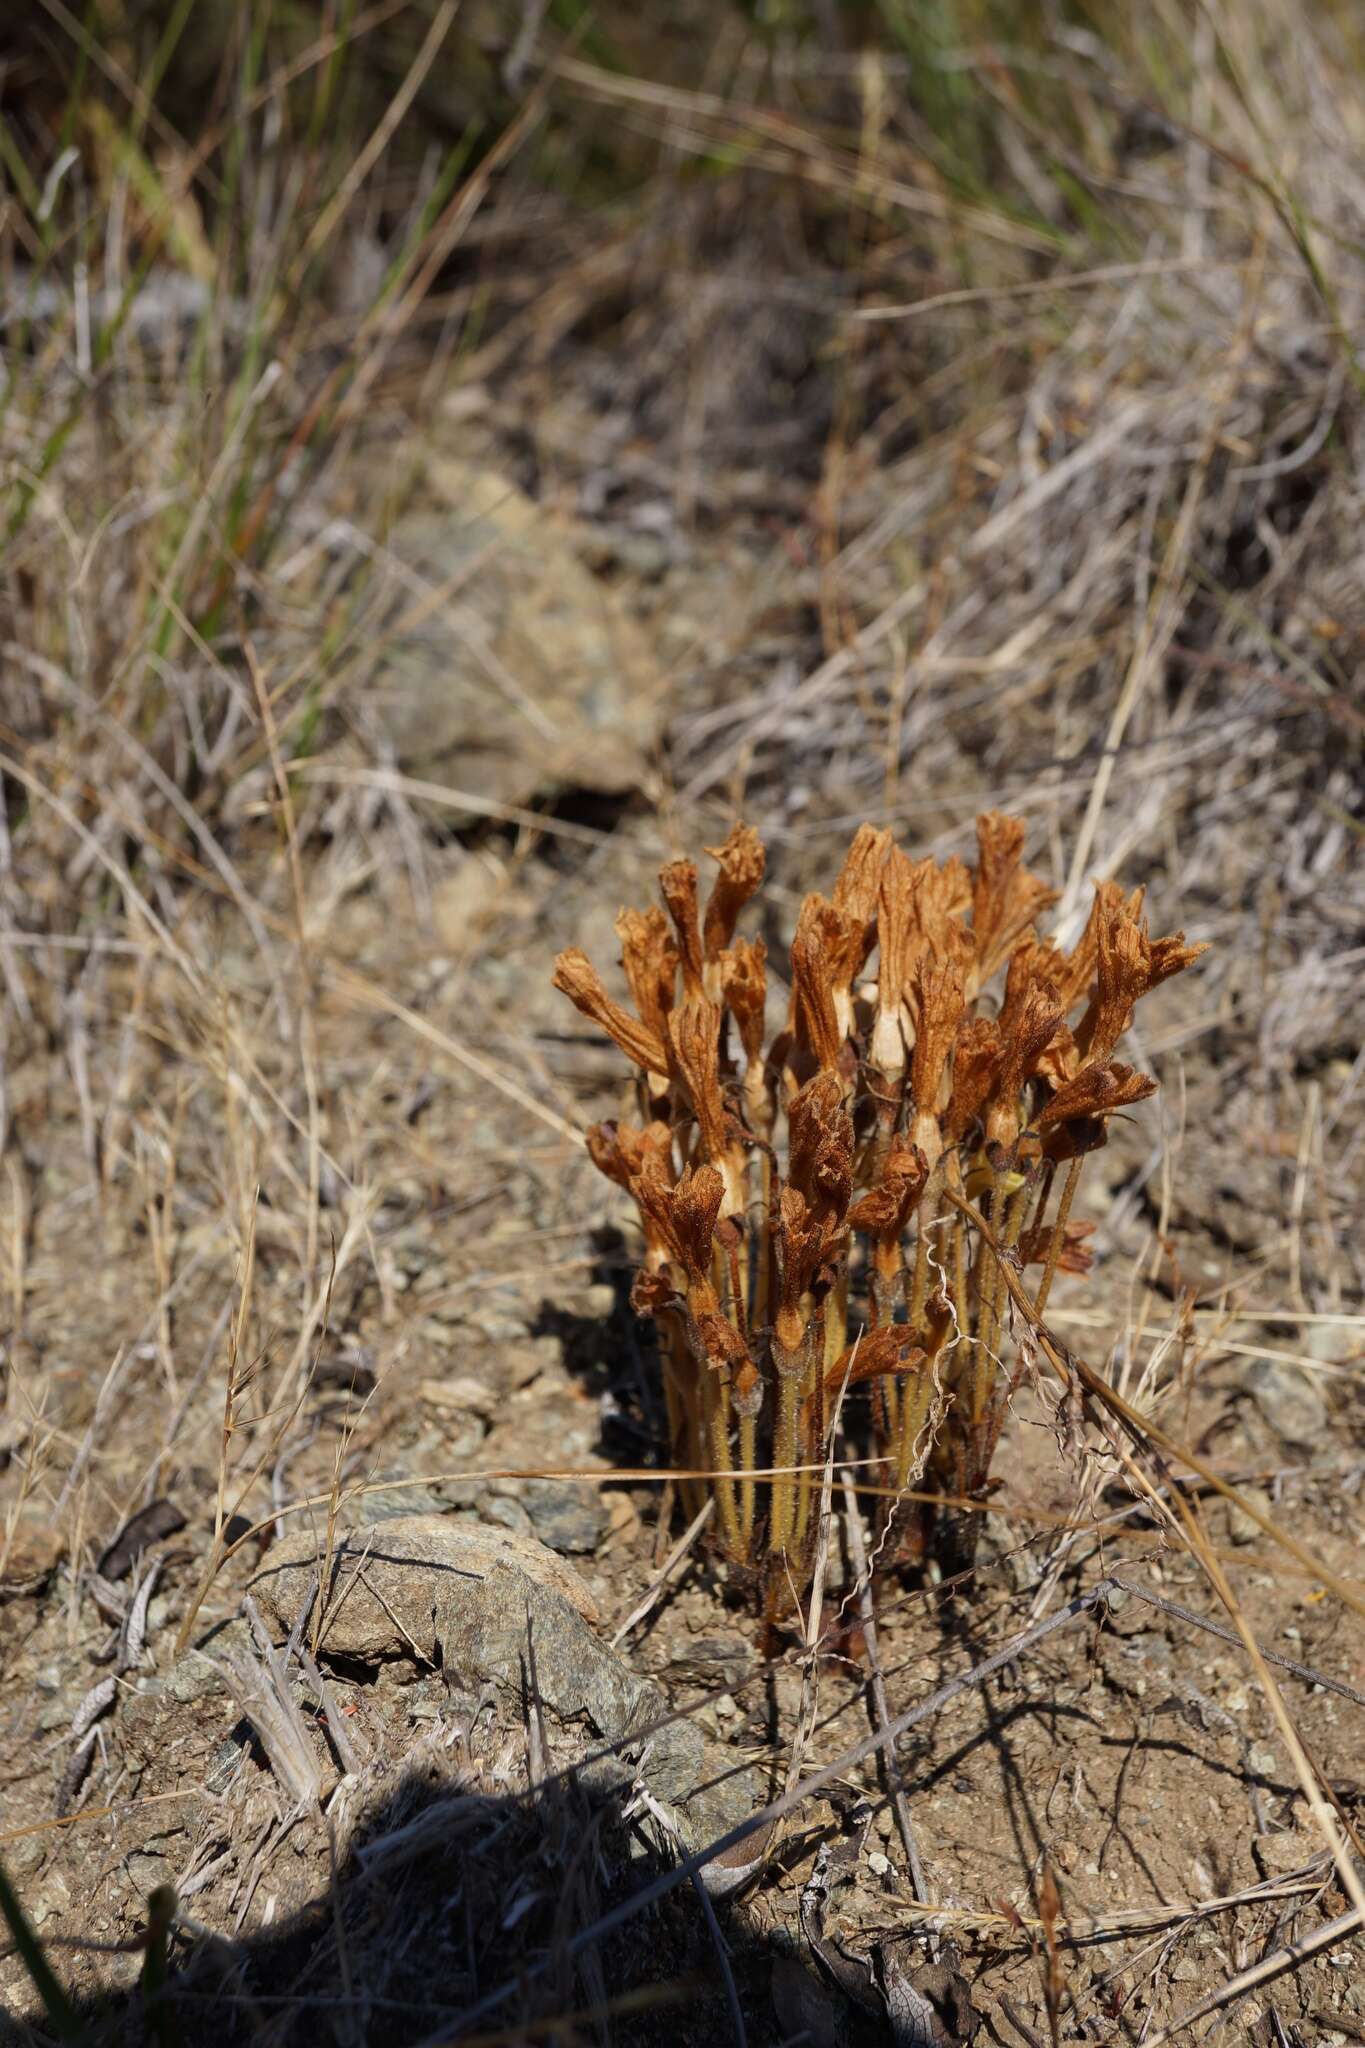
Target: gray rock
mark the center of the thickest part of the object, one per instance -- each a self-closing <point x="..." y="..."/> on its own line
<point x="569" y="1517"/>
<point x="1241" y="1527"/>
<point x="192" y="1677"/>
<point x="507" y="1510"/>
<point x="389" y="1586"/>
<point x="492" y="1631"/>
<point x="1289" y="1400"/>
<point x="488" y="1605"/>
<point x="400" y="1505"/>
<point x="1332" y="1343"/>
<point x="515" y="673"/>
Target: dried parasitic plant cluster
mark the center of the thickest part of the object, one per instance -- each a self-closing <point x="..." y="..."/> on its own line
<point x="809" y="1207"/>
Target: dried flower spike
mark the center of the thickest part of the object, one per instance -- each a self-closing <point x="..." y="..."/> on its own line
<point x="809" y="1257"/>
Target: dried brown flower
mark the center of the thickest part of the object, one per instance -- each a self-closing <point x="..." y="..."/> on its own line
<point x="1005" y="896"/>
<point x="650" y="961"/>
<point x="578" y="979"/>
<point x="742" y="862"/>
<point x="1096" y="1091"/>
<point x="694" y="1048"/>
<point x="822" y="937"/>
<point x="678" y="887"/>
<point x="913" y="1117"/>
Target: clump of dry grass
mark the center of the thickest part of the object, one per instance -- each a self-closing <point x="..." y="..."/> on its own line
<point x="787" y="1266"/>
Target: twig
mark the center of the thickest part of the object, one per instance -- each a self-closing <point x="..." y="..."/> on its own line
<point x="1228" y="1635"/>
<point x="900" y="1805"/>
<point x="675" y="1556"/>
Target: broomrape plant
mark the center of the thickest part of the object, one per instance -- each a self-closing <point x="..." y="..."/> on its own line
<point x="808" y="1208"/>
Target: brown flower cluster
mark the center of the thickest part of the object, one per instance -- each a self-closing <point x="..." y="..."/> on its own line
<point x="801" y="1200"/>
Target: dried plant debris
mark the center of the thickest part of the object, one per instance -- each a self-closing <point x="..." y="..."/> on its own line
<point x="810" y="1203"/>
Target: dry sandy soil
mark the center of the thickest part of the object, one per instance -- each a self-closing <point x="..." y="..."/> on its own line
<point x="298" y="1235"/>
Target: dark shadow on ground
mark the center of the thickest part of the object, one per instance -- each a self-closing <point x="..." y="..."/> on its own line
<point x="445" y="1897"/>
<point x="614" y="1357"/>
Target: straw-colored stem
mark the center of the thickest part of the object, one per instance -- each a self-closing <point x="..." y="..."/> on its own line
<point x="680" y="1371"/>
<point x="748" y="1459"/>
<point x="990" y="1291"/>
<point x="1007" y="1233"/>
<point x="1045" y="1180"/>
<point x="812" y="1404"/>
<point x="928" y="1208"/>
<point x="957" y="1255"/>
<point x="717" y="1403"/>
<point x="762" y="1281"/>
<point x="918" y="1392"/>
<point x="784" y="1457"/>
